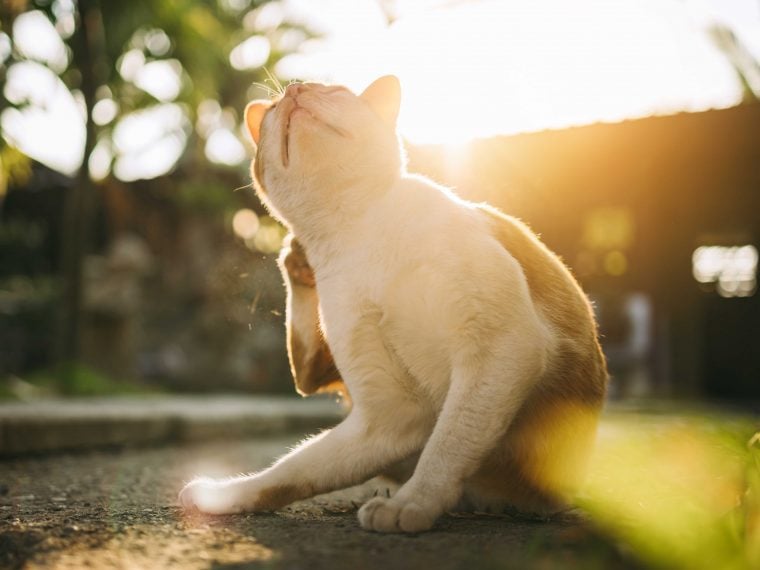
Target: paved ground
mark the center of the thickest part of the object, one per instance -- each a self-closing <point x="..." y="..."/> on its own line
<point x="118" y="509"/>
<point x="85" y="423"/>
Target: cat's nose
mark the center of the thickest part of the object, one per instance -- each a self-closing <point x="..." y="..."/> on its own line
<point x="293" y="89"/>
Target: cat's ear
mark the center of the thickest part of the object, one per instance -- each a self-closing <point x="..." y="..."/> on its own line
<point x="254" y="114"/>
<point x="384" y="97"/>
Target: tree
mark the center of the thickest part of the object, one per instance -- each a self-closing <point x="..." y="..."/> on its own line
<point x="110" y="45"/>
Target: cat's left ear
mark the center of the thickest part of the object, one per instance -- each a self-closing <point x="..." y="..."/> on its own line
<point x="254" y="114"/>
<point x="384" y="97"/>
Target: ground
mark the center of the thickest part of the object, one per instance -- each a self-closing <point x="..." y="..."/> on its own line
<point x="118" y="509"/>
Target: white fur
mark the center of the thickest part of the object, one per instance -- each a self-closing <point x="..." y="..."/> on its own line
<point x="429" y="319"/>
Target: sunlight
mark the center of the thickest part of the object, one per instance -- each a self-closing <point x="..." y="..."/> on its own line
<point x="552" y="64"/>
<point x="37" y="39"/>
<point x="245" y="223"/>
<point x="5" y="47"/>
<point x="51" y="116"/>
<point x="469" y="70"/>
<point x="104" y="111"/>
<point x="479" y="69"/>
<point x="149" y="142"/>
<point x="162" y="79"/>
<point x="252" y="53"/>
<point x="677" y="492"/>
<point x="100" y="161"/>
<point x="130" y="63"/>
<point x="268" y="238"/>
<point x="160" y="545"/>
<point x="732" y="269"/>
<point x="223" y="147"/>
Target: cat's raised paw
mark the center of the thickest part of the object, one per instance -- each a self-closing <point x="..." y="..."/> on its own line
<point x="393" y="515"/>
<point x="209" y="496"/>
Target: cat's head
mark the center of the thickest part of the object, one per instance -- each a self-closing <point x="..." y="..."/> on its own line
<point x="320" y="145"/>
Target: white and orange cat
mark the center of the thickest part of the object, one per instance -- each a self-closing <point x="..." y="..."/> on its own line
<point x="469" y="352"/>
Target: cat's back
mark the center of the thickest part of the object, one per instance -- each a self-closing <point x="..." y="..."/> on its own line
<point x="551" y="284"/>
<point x="558" y="296"/>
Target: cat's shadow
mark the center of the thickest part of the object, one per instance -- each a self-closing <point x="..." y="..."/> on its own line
<point x="324" y="533"/>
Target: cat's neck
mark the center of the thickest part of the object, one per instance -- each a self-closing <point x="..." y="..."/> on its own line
<point x="325" y="230"/>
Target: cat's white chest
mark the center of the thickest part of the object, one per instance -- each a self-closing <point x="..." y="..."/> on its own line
<point x="401" y="276"/>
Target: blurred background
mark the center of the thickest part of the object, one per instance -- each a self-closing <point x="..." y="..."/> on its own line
<point x="135" y="257"/>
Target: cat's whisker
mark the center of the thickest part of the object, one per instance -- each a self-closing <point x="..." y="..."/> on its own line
<point x="271" y="93"/>
<point x="276" y="82"/>
<point x="244" y="187"/>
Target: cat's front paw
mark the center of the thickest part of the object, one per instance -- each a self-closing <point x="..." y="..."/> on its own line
<point x="382" y="487"/>
<point x="210" y="496"/>
<point x="395" y="515"/>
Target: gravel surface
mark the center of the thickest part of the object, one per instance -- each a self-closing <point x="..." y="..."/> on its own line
<point x="118" y="509"/>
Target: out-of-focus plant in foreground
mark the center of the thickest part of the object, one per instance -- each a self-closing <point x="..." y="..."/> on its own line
<point x="679" y="492"/>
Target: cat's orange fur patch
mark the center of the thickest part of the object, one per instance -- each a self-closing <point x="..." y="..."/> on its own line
<point x="314" y="374"/>
<point x="543" y="458"/>
<point x="278" y="496"/>
<point x="580" y="372"/>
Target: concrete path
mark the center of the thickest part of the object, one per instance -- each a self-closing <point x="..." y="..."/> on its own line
<point x="69" y="424"/>
<point x="117" y="509"/>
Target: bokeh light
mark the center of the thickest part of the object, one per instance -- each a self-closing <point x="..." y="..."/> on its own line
<point x="162" y="79"/>
<point x="252" y="53"/>
<point x="37" y="39"/>
<point x="732" y="269"/>
<point x="245" y="223"/>
<point x="49" y="127"/>
<point x="223" y="147"/>
<point x="149" y="142"/>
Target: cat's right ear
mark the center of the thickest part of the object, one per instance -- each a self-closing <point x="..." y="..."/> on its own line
<point x="254" y="114"/>
<point x="384" y="97"/>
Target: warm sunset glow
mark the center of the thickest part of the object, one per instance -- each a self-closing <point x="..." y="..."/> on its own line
<point x="484" y="68"/>
<point x="469" y="69"/>
<point x="535" y="67"/>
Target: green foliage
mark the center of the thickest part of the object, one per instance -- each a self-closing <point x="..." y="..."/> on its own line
<point x="165" y="122"/>
<point x="21" y="244"/>
<point x="205" y="196"/>
<point x="680" y="492"/>
<point x="15" y="168"/>
<point x="195" y="36"/>
<point x="27" y="306"/>
<point x="68" y="380"/>
<point x="79" y="380"/>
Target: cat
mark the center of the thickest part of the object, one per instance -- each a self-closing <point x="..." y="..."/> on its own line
<point x="468" y="350"/>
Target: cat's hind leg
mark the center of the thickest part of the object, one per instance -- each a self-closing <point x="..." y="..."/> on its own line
<point x="541" y="463"/>
<point x="486" y="392"/>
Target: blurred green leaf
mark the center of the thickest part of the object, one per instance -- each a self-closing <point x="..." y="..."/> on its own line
<point x="679" y="493"/>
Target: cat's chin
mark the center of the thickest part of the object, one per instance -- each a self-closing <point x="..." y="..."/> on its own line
<point x="304" y="117"/>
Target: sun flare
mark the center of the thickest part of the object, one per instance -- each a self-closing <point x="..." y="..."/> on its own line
<point x="479" y="69"/>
